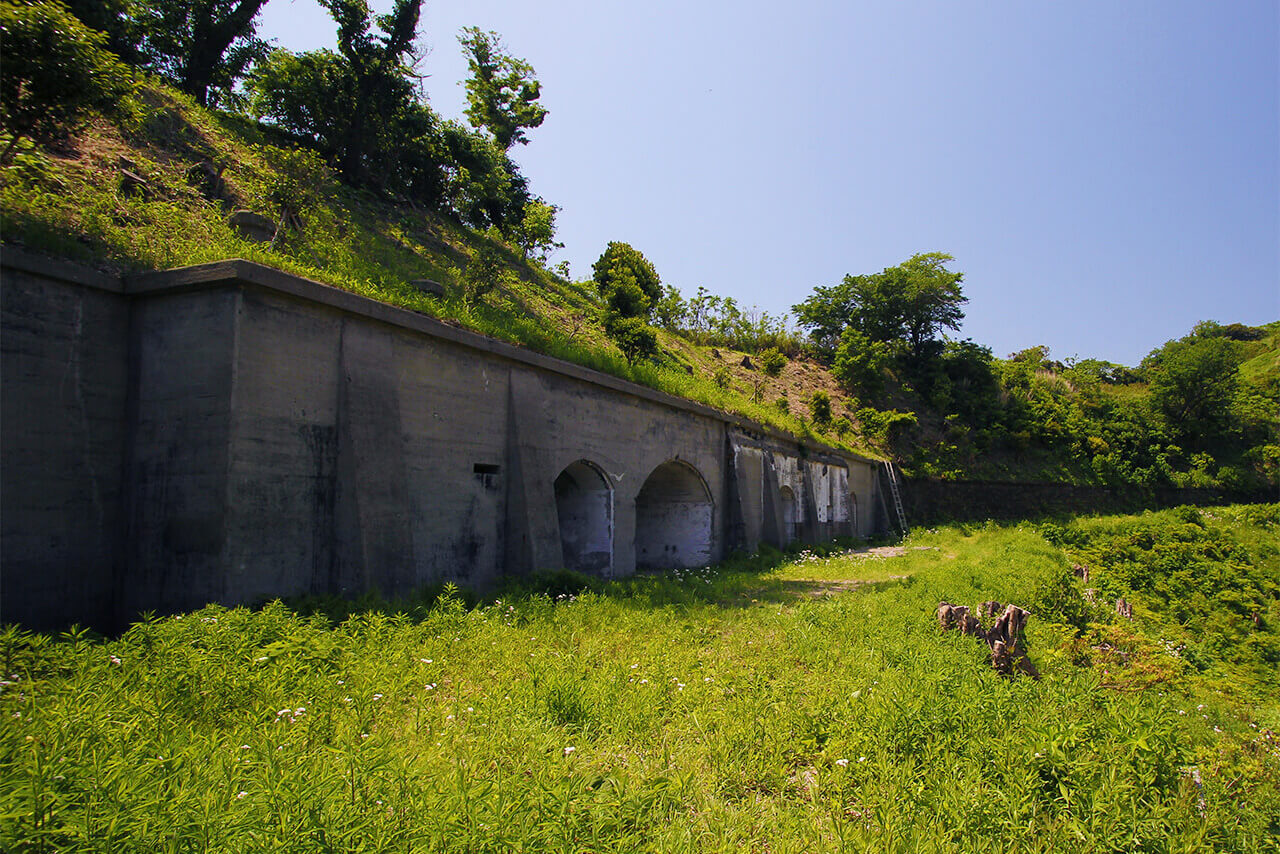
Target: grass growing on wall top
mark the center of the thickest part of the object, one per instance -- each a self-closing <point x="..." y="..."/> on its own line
<point x="71" y="203"/>
<point x="798" y="704"/>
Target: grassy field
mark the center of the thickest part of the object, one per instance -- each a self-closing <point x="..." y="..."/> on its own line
<point x="783" y="703"/>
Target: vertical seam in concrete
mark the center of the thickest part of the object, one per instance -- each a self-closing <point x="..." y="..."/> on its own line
<point x="126" y="554"/>
<point x="516" y="558"/>
<point x="233" y="421"/>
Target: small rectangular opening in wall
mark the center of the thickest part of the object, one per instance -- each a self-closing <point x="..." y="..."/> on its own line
<point x="486" y="468"/>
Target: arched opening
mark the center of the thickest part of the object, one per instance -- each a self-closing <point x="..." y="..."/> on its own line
<point x="788" y="514"/>
<point x="584" y="505"/>
<point x="673" y="519"/>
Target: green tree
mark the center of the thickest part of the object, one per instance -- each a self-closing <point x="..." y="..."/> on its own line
<point x="1193" y="384"/>
<point x="56" y="71"/>
<point x="482" y="184"/>
<point x="359" y="105"/>
<point x="204" y="46"/>
<point x="502" y="92"/>
<point x="630" y="287"/>
<point x="620" y="268"/>
<point x="860" y="363"/>
<point x="537" y="232"/>
<point x="908" y="304"/>
<point x="672" y="311"/>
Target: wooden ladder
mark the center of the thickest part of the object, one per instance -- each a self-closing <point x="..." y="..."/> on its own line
<point x="891" y="475"/>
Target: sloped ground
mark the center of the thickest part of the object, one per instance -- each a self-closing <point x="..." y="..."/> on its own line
<point x="156" y="192"/>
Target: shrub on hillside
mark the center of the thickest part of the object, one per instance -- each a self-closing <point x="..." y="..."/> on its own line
<point x="485" y="271"/>
<point x="820" y="407"/>
<point x="772" y="362"/>
<point x="635" y="338"/>
<point x="56" y="71"/>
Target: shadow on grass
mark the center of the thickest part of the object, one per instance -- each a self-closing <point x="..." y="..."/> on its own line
<point x="738" y="582"/>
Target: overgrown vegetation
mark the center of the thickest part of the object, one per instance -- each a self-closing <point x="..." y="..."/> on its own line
<point x="370" y="190"/>
<point x="798" y="703"/>
<point x="1199" y="411"/>
<point x="149" y="184"/>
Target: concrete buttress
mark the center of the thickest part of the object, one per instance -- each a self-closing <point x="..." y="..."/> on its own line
<point x="375" y="544"/>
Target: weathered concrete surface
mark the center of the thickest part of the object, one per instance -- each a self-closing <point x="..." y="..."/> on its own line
<point x="64" y="365"/>
<point x="927" y="501"/>
<point x="231" y="433"/>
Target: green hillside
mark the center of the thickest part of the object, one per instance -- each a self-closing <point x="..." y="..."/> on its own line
<point x="364" y="187"/>
<point x="78" y="200"/>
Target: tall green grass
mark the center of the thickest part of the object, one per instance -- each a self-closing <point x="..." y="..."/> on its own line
<point x="797" y="703"/>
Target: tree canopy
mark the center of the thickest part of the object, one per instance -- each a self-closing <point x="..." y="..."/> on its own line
<point x="625" y="276"/>
<point x="908" y="304"/>
<point x="1193" y="385"/>
<point x="502" y="92"/>
<point x="205" y="46"/>
<point x="56" y="69"/>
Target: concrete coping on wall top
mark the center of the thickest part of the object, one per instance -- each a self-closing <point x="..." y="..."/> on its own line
<point x="238" y="273"/>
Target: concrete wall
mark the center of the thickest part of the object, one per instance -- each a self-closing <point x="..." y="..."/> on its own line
<point x="926" y="501"/>
<point x="231" y="433"/>
<point x="64" y="372"/>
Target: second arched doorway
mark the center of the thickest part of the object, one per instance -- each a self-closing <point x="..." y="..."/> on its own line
<point x="673" y="519"/>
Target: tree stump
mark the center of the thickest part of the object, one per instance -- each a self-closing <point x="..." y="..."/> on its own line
<point x="1006" y="637"/>
<point x="1008" y="642"/>
<point x="946" y="616"/>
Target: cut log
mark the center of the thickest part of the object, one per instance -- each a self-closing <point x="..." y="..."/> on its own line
<point x="968" y="623"/>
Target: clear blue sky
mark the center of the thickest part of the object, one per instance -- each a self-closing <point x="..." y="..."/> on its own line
<point x="1105" y="173"/>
